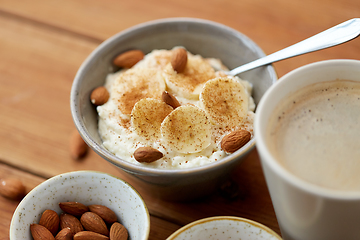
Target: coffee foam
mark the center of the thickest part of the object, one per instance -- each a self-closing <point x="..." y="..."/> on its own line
<point x="315" y="134"/>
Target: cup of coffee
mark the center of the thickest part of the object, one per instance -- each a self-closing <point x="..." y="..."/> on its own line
<point x="307" y="131"/>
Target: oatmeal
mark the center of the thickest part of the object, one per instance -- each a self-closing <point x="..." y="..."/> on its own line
<point x="209" y="105"/>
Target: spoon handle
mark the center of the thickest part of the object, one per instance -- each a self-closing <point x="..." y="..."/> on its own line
<point x="338" y="34"/>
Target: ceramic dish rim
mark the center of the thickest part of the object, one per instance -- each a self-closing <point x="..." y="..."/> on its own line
<point x="217" y="218"/>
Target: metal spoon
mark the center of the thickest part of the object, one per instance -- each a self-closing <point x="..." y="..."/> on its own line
<point x="341" y="33"/>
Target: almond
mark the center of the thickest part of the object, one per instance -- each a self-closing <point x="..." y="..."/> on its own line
<point x="99" y="96"/>
<point x="12" y="188"/>
<point x="39" y="232"/>
<point x="64" y="234"/>
<point x="235" y="140"/>
<point x="74" y="208"/>
<point x="169" y="99"/>
<point x="78" y="147"/>
<point x="118" y="232"/>
<point x="129" y="58"/>
<point x="104" y="212"/>
<point x="147" y="154"/>
<point x="93" y="222"/>
<point x="67" y="220"/>
<point x="179" y="59"/>
<point x="88" y="235"/>
<point x="50" y="219"/>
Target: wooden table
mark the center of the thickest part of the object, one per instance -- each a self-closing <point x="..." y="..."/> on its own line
<point x="43" y="43"/>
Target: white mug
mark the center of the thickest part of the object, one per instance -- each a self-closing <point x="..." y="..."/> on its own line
<point x="306" y="211"/>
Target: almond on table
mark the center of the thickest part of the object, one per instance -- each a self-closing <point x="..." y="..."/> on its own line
<point x="12" y="188"/>
<point x="78" y="147"/>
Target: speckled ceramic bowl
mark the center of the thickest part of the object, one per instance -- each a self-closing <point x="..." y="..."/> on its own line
<point x="87" y="187"/>
<point x="207" y="38"/>
<point x="224" y="228"/>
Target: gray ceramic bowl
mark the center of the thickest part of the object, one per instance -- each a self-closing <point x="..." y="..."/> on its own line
<point x="203" y="37"/>
<point x="87" y="187"/>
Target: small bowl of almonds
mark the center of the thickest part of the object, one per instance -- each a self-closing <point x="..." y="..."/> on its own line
<point x="156" y="101"/>
<point x="81" y="205"/>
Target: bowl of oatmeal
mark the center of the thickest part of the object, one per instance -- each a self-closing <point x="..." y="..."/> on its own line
<point x="155" y="101"/>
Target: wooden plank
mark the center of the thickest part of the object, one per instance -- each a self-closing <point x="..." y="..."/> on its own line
<point x="102" y="19"/>
<point x="38" y="67"/>
<point x="272" y="24"/>
<point x="161" y="229"/>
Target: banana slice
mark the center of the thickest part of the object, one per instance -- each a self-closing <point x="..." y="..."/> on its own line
<point x="189" y="83"/>
<point x="187" y="129"/>
<point x="147" y="116"/>
<point x="134" y="85"/>
<point x="225" y="100"/>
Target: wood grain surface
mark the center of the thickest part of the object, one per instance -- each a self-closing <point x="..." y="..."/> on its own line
<point x="44" y="42"/>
